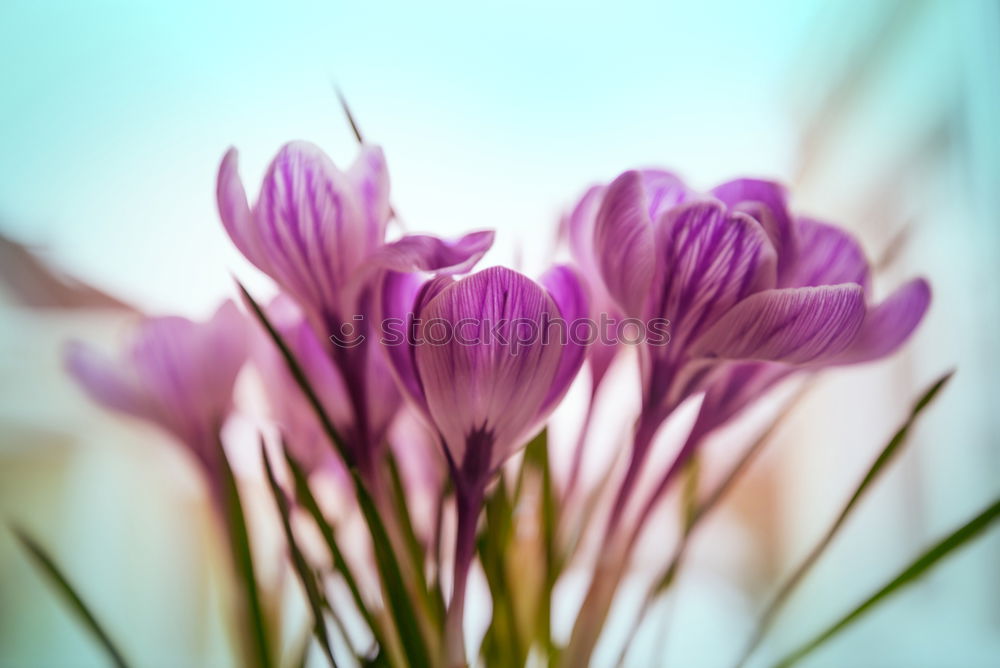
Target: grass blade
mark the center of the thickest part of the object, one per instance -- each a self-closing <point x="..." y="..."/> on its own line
<point x="299" y="563"/>
<point x="536" y="456"/>
<point x="305" y="497"/>
<point x="243" y="561"/>
<point x="392" y="581"/>
<point x="431" y="599"/>
<point x="501" y="644"/>
<point x="48" y="565"/>
<point x="888" y="453"/>
<point x="967" y="532"/>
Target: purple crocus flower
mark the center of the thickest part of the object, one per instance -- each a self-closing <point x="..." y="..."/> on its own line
<point x="320" y="233"/>
<point x="666" y="190"/>
<point x="725" y="271"/>
<point x="752" y="295"/>
<point x="299" y="425"/>
<point x="825" y="255"/>
<point x="485" y="359"/>
<point x="175" y="373"/>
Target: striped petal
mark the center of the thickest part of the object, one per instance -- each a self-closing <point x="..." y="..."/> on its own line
<point x="370" y="177"/>
<point x="890" y="324"/>
<point x="711" y="259"/>
<point x="792" y="325"/>
<point x="417" y="252"/>
<point x="828" y="256"/>
<point x="308" y="220"/>
<point x="567" y="292"/>
<point x="484" y="370"/>
<point x="765" y="201"/>
<point x="624" y="242"/>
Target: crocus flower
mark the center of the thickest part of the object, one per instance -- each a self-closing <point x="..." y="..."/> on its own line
<point x="712" y="271"/>
<point x="175" y="373"/>
<point x="299" y="425"/>
<point x="825" y="255"/>
<point x="665" y="190"/>
<point x="482" y="360"/>
<point x="320" y="233"/>
<point x="751" y="294"/>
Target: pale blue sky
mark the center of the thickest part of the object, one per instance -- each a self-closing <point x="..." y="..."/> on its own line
<point x="492" y="115"/>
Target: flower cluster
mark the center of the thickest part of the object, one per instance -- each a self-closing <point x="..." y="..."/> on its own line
<point x="748" y="291"/>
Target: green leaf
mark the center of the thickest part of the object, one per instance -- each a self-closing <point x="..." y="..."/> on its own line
<point x="392" y="581"/>
<point x="501" y="645"/>
<point x="967" y="532"/>
<point x="48" y="565"/>
<point x="888" y="453"/>
<point x="243" y="561"/>
<point x="432" y="600"/>
<point x="305" y="497"/>
<point x="536" y="456"/>
<point x="299" y="563"/>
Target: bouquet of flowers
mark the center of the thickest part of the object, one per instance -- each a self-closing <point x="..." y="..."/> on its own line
<point x="419" y="387"/>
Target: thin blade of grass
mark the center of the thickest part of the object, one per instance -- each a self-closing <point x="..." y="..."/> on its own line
<point x="374" y="522"/>
<point x="305" y="497"/>
<point x="48" y="565"/>
<point x="392" y="581"/>
<point x="958" y="538"/>
<point x="536" y="455"/>
<point x="243" y="561"/>
<point x="888" y="453"/>
<point x="501" y="644"/>
<point x="433" y="600"/>
<point x="349" y="115"/>
<point x="299" y="563"/>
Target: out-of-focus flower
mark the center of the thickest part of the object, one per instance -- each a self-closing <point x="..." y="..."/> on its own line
<point x="176" y="373"/>
<point x="486" y="360"/>
<point x="320" y="233"/>
<point x="295" y="418"/>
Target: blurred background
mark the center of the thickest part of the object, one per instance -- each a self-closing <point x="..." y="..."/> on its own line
<point x="882" y="116"/>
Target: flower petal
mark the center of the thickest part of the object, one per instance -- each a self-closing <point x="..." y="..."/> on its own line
<point x="370" y="177"/>
<point x="403" y="296"/>
<point x="793" y="325"/>
<point x="711" y="259"/>
<point x="828" y="256"/>
<point x="581" y="231"/>
<point x="235" y="212"/>
<point x="567" y="292"/>
<point x="766" y="201"/>
<point x="418" y="252"/>
<point x="481" y="361"/>
<point x="310" y="223"/>
<point x="624" y="242"/>
<point x="890" y="324"/>
<point x="105" y="380"/>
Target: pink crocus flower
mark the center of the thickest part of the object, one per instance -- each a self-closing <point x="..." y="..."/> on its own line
<point x="319" y="232"/>
<point x="177" y="374"/>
